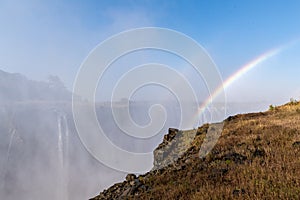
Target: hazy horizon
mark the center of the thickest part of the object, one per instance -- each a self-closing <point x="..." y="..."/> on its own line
<point x="88" y="89"/>
<point x="42" y="38"/>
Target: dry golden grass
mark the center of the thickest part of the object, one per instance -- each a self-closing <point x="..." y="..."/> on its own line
<point x="256" y="157"/>
<point x="271" y="168"/>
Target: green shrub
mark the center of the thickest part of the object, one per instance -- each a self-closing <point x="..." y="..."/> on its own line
<point x="293" y="101"/>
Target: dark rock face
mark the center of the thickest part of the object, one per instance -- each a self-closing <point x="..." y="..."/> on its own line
<point x="174" y="145"/>
<point x="165" y="148"/>
<point x="131" y="187"/>
<point x="172" y="155"/>
<point x="171" y="134"/>
<point x="166" y="155"/>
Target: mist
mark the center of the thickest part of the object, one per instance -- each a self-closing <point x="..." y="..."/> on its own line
<point x="42" y="155"/>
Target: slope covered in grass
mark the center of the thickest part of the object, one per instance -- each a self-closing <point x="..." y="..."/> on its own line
<point x="256" y="157"/>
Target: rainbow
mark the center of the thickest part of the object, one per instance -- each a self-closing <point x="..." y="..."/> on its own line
<point x="243" y="70"/>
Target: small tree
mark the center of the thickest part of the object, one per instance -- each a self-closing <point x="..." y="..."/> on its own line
<point x="293" y="101"/>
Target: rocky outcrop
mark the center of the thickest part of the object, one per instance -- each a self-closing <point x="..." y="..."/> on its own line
<point x="254" y="158"/>
<point x="132" y="186"/>
<point x="171" y="155"/>
<point x="175" y="144"/>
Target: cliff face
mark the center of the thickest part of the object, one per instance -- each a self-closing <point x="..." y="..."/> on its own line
<point x="256" y="157"/>
<point x="41" y="155"/>
<point x="15" y="87"/>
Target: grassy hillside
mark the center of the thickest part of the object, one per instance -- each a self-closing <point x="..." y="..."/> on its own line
<point x="256" y="157"/>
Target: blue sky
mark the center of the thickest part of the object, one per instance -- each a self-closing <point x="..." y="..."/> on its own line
<point x="39" y="38"/>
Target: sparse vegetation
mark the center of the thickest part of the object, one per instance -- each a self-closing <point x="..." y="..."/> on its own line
<point x="293" y="101"/>
<point x="257" y="157"/>
<point x="271" y="107"/>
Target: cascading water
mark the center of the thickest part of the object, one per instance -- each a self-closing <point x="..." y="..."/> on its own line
<point x="12" y="132"/>
<point x="66" y="157"/>
<point x="63" y="135"/>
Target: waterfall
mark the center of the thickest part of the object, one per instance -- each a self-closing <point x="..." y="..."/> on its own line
<point x="60" y="143"/>
<point x="66" y="157"/>
<point x="63" y="154"/>
<point x="12" y="132"/>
